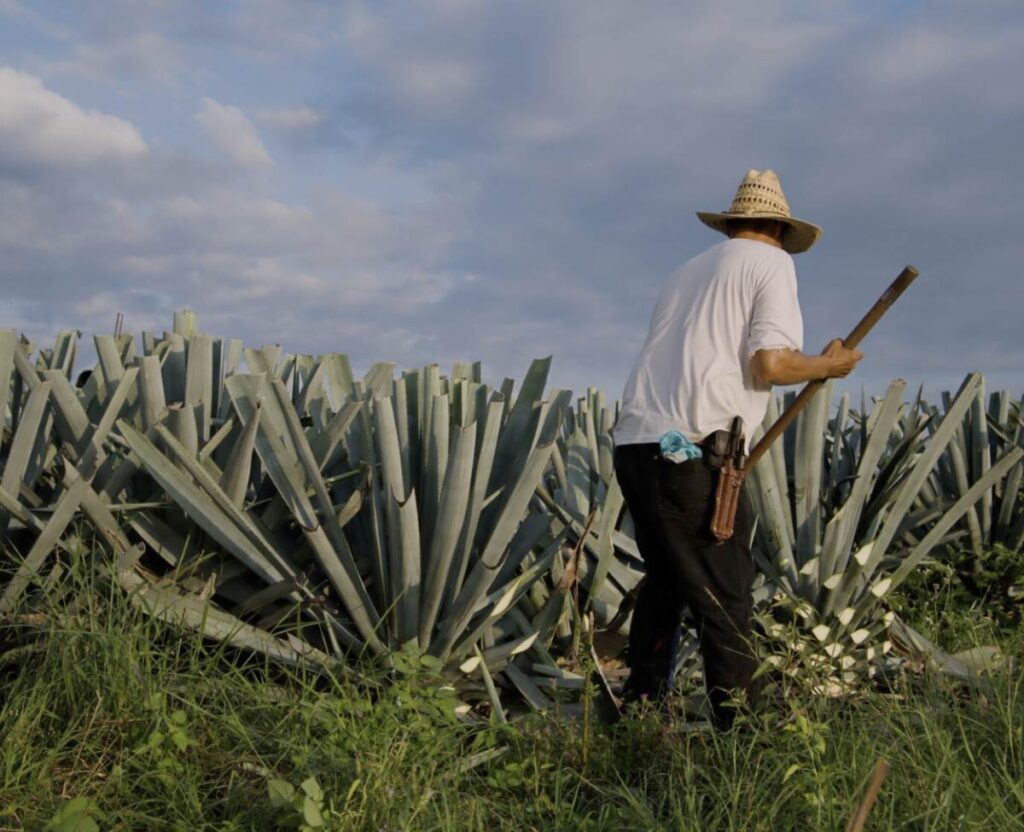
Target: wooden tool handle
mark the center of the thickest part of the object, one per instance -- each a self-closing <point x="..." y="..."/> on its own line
<point x="860" y="816"/>
<point x="888" y="298"/>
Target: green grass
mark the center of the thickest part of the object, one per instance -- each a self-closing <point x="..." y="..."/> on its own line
<point x="154" y="729"/>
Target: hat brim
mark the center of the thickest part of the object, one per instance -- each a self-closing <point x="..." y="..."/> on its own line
<point x="800" y="234"/>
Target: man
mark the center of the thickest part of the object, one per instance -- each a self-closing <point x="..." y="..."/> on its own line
<point x="726" y="327"/>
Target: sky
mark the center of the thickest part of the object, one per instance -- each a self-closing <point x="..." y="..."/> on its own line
<point x="496" y="181"/>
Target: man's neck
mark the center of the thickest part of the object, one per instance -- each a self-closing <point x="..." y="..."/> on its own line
<point x="758" y="237"/>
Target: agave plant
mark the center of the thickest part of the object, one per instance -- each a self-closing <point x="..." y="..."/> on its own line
<point x="984" y="554"/>
<point x="855" y="521"/>
<point x="985" y="432"/>
<point x="290" y="508"/>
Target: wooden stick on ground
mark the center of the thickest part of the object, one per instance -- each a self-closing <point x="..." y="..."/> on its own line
<point x="857" y="820"/>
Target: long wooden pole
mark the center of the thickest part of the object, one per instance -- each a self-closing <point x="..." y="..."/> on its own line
<point x="888" y="298"/>
<point x="860" y="815"/>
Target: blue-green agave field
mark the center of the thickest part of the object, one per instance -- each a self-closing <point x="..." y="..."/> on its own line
<point x="278" y="504"/>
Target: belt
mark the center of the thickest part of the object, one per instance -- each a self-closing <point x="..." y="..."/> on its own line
<point x="721" y="437"/>
<point x="715" y="436"/>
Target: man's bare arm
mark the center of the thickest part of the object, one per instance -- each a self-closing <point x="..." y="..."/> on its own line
<point x="793" y="367"/>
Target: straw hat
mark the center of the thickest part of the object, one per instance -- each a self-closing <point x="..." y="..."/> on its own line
<point x="760" y="196"/>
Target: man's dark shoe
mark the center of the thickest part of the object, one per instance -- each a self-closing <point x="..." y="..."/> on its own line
<point x="643" y="686"/>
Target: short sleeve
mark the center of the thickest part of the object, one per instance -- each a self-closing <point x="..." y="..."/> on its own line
<point x="775" y="321"/>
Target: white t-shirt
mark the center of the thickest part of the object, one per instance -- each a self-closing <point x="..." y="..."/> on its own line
<point x="714" y="312"/>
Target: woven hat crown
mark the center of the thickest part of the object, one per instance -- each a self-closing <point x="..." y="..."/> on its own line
<point x="760" y="196"/>
<point x="760" y="192"/>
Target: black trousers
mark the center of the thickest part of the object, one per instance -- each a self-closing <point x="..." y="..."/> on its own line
<point x="671" y="505"/>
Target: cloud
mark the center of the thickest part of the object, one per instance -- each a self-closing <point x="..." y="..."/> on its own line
<point x="292" y="119"/>
<point x="39" y="128"/>
<point x="232" y="132"/>
<point x="502" y="181"/>
<point x="583" y="137"/>
<point x="125" y="60"/>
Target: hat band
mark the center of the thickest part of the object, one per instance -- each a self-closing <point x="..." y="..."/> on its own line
<point x="748" y="205"/>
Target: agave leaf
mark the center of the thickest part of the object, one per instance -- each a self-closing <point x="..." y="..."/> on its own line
<point x="982" y="659"/>
<point x="161" y="538"/>
<point x="578" y="466"/>
<point x="31" y="428"/>
<point x="778" y="458"/>
<point x="924" y="464"/>
<point x="591" y="434"/>
<point x="151" y="392"/>
<point x="167" y="604"/>
<point x="173" y="368"/>
<point x="64" y="349"/>
<point x="910" y="562"/>
<point x="313" y="385"/>
<point x="520" y="425"/>
<point x="959" y="455"/>
<point x="448" y="530"/>
<point x="768" y="499"/>
<point x="10" y="505"/>
<point x="199" y="382"/>
<point x="367" y="456"/>
<point x="981" y="459"/>
<point x="401" y="412"/>
<point x="610" y="510"/>
<point x="109" y="359"/>
<point x="432" y="479"/>
<point x="265" y="597"/>
<point x="492" y="691"/>
<point x="182" y="421"/>
<point x="498" y="656"/>
<point x="481" y="476"/>
<point x="8" y="348"/>
<point x="393" y="485"/>
<point x="483" y="571"/>
<point x="527" y="688"/>
<point x="407" y="589"/>
<point x="217" y="439"/>
<point x="338" y="379"/>
<point x="1010" y="502"/>
<point x="64" y="512"/>
<point x="835" y="557"/>
<point x="325" y="444"/>
<point x="262" y="361"/>
<point x="231" y="358"/>
<point x="185" y="323"/>
<point x="71" y="421"/>
<point x="26" y="372"/>
<point x="810" y="443"/>
<point x="286" y="454"/>
<point x="235" y="479"/>
<point x="912" y="641"/>
<point x="379" y="378"/>
<point x="835" y="469"/>
<point x="93" y="453"/>
<point x="206" y="503"/>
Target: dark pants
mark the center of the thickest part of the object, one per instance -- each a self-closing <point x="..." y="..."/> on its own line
<point x="671" y="504"/>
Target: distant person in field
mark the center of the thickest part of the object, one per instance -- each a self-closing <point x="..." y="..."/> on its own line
<point x="726" y="327"/>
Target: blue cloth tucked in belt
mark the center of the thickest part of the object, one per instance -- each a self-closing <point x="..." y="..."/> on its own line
<point x="677" y="448"/>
